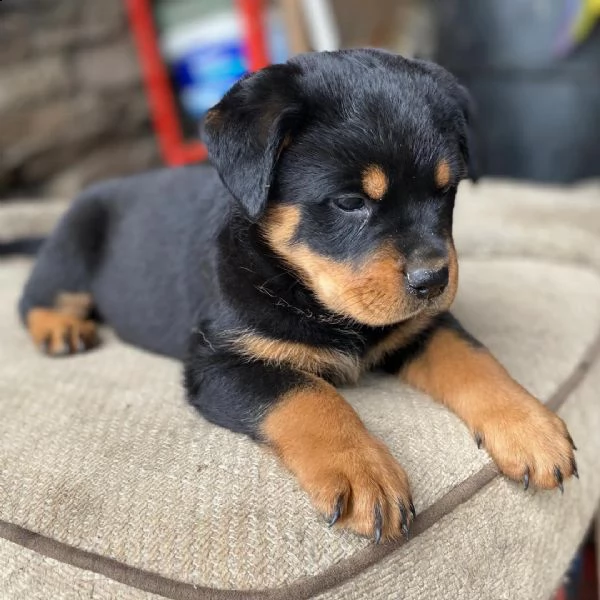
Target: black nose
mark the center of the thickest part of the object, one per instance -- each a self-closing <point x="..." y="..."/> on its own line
<point x="427" y="283"/>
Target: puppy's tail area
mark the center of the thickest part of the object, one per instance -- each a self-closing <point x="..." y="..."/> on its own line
<point x="23" y="246"/>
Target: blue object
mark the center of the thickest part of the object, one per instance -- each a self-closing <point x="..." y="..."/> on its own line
<point x="206" y="72"/>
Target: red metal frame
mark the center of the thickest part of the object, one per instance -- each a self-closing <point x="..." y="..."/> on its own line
<point x="175" y="149"/>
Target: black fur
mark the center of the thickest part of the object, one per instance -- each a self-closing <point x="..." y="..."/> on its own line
<point x="175" y="261"/>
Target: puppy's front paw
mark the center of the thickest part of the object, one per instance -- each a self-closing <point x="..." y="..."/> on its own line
<point x="528" y="442"/>
<point x="351" y="477"/>
<point x="363" y="489"/>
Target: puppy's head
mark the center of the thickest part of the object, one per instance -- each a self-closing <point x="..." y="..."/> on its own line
<point x="350" y="162"/>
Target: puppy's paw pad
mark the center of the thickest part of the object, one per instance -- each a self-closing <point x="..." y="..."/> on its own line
<point x="57" y="334"/>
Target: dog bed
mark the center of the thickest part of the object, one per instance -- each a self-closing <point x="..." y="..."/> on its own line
<point x="112" y="487"/>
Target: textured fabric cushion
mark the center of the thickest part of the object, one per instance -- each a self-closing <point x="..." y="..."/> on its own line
<point x="110" y="485"/>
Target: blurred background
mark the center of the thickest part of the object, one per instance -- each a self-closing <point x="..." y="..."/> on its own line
<point x="93" y="89"/>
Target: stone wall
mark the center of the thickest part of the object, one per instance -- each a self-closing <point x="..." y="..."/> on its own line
<point x="72" y="107"/>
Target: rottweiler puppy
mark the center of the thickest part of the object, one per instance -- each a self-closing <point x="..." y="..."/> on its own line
<point x="318" y="246"/>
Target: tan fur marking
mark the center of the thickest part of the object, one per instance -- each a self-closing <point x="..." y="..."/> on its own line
<point x="60" y="333"/>
<point x="280" y="226"/>
<point x="319" y="361"/>
<point x="372" y="293"/>
<point x="518" y="431"/>
<point x="374" y="182"/>
<point x="444" y="301"/>
<point x="443" y="174"/>
<point x="323" y="442"/>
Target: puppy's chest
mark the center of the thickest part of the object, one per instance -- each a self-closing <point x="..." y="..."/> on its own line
<point x="340" y="363"/>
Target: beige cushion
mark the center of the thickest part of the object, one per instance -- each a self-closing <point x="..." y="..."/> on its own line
<point x="131" y="492"/>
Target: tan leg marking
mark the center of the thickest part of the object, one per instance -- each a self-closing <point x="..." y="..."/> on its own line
<point x="323" y="442"/>
<point x="527" y="441"/>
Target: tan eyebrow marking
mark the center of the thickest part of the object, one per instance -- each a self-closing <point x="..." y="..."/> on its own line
<point x="374" y="182"/>
<point x="443" y="175"/>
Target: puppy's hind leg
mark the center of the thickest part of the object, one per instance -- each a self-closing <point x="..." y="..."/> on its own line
<point x="57" y="304"/>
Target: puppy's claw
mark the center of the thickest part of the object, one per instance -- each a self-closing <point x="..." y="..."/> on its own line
<point x="526" y="479"/>
<point x="571" y="441"/>
<point x="64" y="348"/>
<point x="337" y="513"/>
<point x="412" y="509"/>
<point x="559" y="479"/>
<point x="405" y="532"/>
<point x="404" y="523"/>
<point x="403" y="515"/>
<point x="378" y="524"/>
<point x="574" y="467"/>
<point x="478" y="440"/>
<point x="45" y="345"/>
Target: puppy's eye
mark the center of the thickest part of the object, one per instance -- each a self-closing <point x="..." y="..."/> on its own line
<point x="349" y="203"/>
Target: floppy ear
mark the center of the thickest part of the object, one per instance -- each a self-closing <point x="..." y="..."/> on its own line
<point x="468" y="142"/>
<point x="246" y="131"/>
